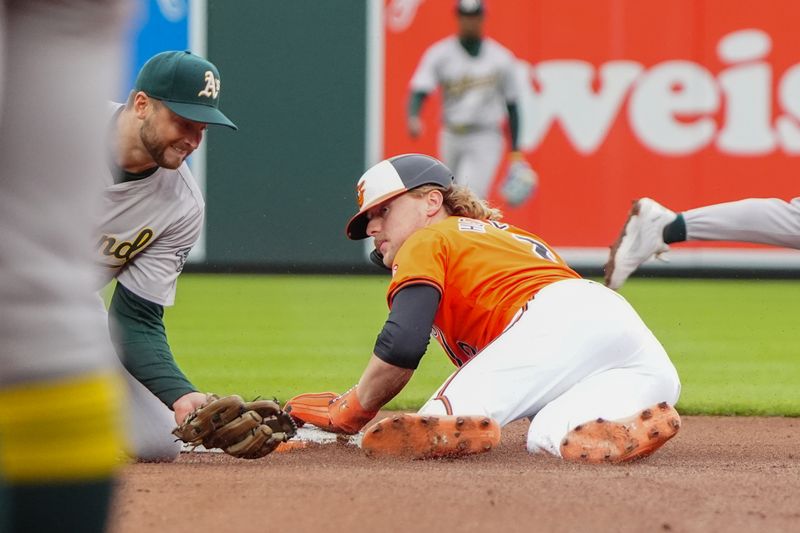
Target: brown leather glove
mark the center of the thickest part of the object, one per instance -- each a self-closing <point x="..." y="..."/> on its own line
<point x="247" y="430"/>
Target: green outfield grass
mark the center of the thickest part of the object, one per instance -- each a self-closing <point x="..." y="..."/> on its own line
<point x="736" y="344"/>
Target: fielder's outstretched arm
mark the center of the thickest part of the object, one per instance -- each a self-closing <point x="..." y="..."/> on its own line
<point x="140" y="339"/>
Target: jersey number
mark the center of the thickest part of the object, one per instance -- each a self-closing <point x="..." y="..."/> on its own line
<point x="538" y="248"/>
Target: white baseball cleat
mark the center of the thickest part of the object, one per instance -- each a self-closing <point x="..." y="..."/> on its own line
<point x="641" y="239"/>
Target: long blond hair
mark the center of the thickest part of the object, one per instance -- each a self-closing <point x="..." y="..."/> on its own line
<point x="461" y="201"/>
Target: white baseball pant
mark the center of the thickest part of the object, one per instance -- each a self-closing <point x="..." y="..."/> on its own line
<point x="579" y="352"/>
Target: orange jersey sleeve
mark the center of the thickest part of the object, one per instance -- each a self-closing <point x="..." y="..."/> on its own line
<point x="485" y="271"/>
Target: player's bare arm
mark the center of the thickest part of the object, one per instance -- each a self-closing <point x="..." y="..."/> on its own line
<point x="381" y="382"/>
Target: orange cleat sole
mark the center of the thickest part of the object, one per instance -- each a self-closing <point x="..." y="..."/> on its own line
<point x="414" y="436"/>
<point x="604" y="441"/>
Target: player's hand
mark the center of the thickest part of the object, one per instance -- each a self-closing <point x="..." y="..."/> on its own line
<point x="326" y="410"/>
<point x="187" y="404"/>
<point x="414" y="127"/>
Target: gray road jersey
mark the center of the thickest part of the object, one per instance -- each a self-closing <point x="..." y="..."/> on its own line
<point x="147" y="228"/>
<point x="474" y="89"/>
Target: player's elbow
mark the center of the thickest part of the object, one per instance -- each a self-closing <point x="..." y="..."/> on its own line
<point x="401" y="348"/>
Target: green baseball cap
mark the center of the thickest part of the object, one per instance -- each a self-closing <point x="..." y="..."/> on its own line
<point x="186" y="83"/>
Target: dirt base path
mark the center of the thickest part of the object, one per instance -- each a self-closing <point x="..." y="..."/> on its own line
<point x="718" y="474"/>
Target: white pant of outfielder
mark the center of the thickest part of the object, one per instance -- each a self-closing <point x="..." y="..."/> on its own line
<point x="579" y="352"/>
<point x="473" y="157"/>
<point x="759" y="220"/>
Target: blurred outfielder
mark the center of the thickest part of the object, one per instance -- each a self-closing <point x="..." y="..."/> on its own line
<point x="59" y="380"/>
<point x="476" y="77"/>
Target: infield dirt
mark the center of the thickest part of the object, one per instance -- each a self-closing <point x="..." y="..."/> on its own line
<point x="717" y="474"/>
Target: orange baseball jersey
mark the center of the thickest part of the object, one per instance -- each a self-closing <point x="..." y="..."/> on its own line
<point x="485" y="271"/>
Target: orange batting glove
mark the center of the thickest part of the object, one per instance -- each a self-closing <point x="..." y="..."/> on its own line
<point x="326" y="410"/>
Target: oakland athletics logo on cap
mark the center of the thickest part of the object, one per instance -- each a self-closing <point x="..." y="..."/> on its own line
<point x="212" y="85"/>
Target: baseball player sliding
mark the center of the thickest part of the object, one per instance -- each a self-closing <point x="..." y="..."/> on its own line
<point x="476" y="77"/>
<point x="152" y="216"/>
<point x="529" y="337"/>
<point x="651" y="228"/>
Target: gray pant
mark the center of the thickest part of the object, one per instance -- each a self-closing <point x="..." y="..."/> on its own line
<point x="149" y="425"/>
<point x="757" y="220"/>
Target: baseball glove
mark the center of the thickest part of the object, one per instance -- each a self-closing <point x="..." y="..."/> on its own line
<point x="520" y="183"/>
<point x="247" y="430"/>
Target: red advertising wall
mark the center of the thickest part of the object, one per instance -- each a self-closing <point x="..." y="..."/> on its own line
<point x="690" y="102"/>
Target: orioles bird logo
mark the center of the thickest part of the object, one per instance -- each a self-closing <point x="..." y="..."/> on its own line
<point x="360" y="193"/>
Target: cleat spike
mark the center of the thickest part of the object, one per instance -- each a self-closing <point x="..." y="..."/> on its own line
<point x="578" y="428"/>
<point x="646" y="414"/>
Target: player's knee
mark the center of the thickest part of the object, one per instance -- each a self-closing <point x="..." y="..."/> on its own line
<point x="158" y="451"/>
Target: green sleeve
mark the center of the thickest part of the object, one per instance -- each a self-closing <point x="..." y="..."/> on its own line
<point x="140" y="339"/>
<point x="415" y="103"/>
<point x="513" y="124"/>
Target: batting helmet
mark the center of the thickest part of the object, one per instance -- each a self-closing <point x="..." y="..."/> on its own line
<point x="391" y="178"/>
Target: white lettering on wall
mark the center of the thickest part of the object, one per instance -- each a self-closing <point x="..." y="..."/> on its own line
<point x="567" y="96"/>
<point x="748" y="94"/>
<point x="668" y="105"/>
<point x="788" y="126"/>
<point x="672" y="107"/>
